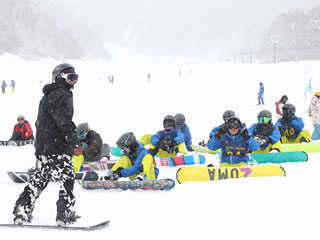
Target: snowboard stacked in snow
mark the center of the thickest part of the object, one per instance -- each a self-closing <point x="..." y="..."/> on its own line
<point x="159" y="184"/>
<point x="310" y="147"/>
<point x="189" y="173"/>
<point x="16" y="143"/>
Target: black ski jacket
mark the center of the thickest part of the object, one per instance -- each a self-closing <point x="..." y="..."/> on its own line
<point x="56" y="132"/>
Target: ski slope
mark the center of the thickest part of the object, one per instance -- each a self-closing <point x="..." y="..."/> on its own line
<point x="252" y="208"/>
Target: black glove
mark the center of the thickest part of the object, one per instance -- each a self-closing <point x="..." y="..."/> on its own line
<point x="117" y="173"/>
<point x="164" y="145"/>
<point x="153" y="151"/>
<point x="190" y="149"/>
<point x="244" y="134"/>
<point x="172" y="143"/>
<point x="203" y="144"/>
<point x="220" y="132"/>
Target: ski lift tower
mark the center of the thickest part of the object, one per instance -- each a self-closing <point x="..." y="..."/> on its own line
<point x="274" y="39"/>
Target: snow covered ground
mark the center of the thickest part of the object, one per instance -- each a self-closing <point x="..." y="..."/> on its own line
<point x="252" y="208"/>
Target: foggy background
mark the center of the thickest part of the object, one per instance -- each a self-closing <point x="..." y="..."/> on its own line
<point x="194" y="28"/>
<point x="184" y="27"/>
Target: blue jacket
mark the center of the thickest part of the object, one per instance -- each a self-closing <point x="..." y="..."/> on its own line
<point x="173" y="134"/>
<point x="274" y="134"/>
<point x="187" y="136"/>
<point x="136" y="161"/>
<point x="291" y="128"/>
<point x="213" y="131"/>
<point x="261" y="90"/>
<point x="233" y="147"/>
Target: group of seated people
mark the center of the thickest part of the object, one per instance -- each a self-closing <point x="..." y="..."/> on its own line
<point x="232" y="137"/>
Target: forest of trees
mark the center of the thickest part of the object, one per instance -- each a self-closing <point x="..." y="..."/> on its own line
<point x="31" y="33"/>
<point x="293" y="36"/>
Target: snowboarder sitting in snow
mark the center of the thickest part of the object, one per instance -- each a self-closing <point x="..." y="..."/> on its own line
<point x="265" y="133"/>
<point x="234" y="142"/>
<point x="168" y="142"/>
<point x="92" y="147"/>
<point x="22" y="130"/>
<point x="226" y="116"/>
<point x="291" y="127"/>
<point x="183" y="127"/>
<point x="135" y="161"/>
<point x="279" y="106"/>
<point x="314" y="113"/>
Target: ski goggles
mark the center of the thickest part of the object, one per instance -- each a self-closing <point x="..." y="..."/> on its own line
<point x="82" y="136"/>
<point x="71" y="78"/>
<point x="264" y="119"/>
<point x="233" y="123"/>
<point x="168" y="124"/>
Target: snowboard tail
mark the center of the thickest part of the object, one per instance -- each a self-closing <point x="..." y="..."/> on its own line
<point x="159" y="184"/>
<point x="181" y="160"/>
<point x="185" y="174"/>
<point x="280" y="157"/>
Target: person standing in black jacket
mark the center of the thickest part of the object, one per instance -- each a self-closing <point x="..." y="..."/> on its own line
<point x="56" y="142"/>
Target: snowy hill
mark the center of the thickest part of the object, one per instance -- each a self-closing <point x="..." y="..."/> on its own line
<point x="253" y="208"/>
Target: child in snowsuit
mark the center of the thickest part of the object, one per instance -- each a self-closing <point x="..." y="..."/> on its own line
<point x="234" y="142"/>
<point x="92" y="147"/>
<point x="291" y="126"/>
<point x="183" y="127"/>
<point x="22" y="130"/>
<point x="168" y="142"/>
<point x="135" y="162"/>
<point x="265" y="133"/>
<point x="279" y="106"/>
<point x="314" y="113"/>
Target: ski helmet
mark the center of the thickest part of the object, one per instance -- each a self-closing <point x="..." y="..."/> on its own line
<point x="61" y="68"/>
<point x="82" y="130"/>
<point x="180" y="119"/>
<point x="227" y="115"/>
<point x="21" y="117"/>
<point x="233" y="122"/>
<point x="288" y="110"/>
<point x="169" y="120"/>
<point x="126" y="140"/>
<point x="264" y="116"/>
<point x="284" y="99"/>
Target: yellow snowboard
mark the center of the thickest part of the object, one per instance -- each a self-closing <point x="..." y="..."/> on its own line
<point x="185" y="174"/>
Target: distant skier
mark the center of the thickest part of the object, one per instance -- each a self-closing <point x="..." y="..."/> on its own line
<point x="135" y="162"/>
<point x="291" y="126"/>
<point x="22" y="130"/>
<point x="3" y="86"/>
<point x="235" y="143"/>
<point x="149" y="77"/>
<point x="314" y="113"/>
<point x="168" y="142"/>
<point x="13" y="85"/>
<point x="265" y="133"/>
<point x="260" y="94"/>
<point x="56" y="142"/>
<point x="279" y="106"/>
<point x="183" y="127"/>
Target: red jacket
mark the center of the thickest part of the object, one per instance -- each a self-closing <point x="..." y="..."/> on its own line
<point x="25" y="131"/>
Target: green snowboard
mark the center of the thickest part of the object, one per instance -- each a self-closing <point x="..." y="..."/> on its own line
<point x="281" y="157"/>
<point x="117" y="152"/>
